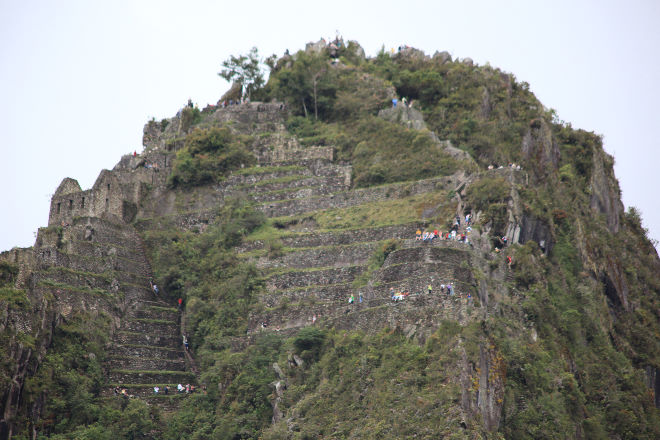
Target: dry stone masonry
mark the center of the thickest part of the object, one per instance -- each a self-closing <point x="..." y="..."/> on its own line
<point x="94" y="256"/>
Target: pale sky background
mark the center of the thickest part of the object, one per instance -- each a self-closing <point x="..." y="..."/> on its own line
<point x="79" y="79"/>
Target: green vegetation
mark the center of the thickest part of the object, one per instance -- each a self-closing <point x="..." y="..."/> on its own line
<point x="480" y="109"/>
<point x="217" y="287"/>
<point x="245" y="70"/>
<point x="376" y="261"/>
<point x="189" y="117"/>
<point x="10" y="296"/>
<point x="384" y="213"/>
<point x="377" y="385"/>
<point x="208" y="155"/>
<point x="69" y="381"/>
<point x="563" y="337"/>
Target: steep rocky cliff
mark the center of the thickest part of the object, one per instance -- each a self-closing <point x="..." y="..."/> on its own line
<point x="310" y="306"/>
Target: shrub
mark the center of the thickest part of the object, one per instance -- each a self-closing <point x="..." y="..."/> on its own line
<point x="486" y="191"/>
<point x="308" y="343"/>
<point x="208" y="155"/>
<point x="189" y="117"/>
<point x="8" y="273"/>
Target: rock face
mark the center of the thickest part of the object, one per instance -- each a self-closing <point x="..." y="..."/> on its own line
<point x="532" y="228"/>
<point x="540" y="151"/>
<point x="92" y="244"/>
<point x="411" y="53"/>
<point x="404" y="115"/>
<point x="443" y="57"/>
<point x="357" y="49"/>
<point x="316" y="47"/>
<point x="94" y="265"/>
<point x="412" y="118"/>
<point x="605" y="193"/>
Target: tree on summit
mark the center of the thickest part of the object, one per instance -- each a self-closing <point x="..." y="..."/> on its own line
<point x="244" y="70"/>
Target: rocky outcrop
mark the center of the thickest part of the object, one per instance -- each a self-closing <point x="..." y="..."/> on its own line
<point x="535" y="229"/>
<point x="308" y="273"/>
<point x="540" y="151"/>
<point x="412" y="118"/>
<point x="404" y="115"/>
<point x="605" y="193"/>
<point x="442" y="57"/>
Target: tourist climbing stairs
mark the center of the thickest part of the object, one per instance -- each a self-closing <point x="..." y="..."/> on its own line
<point x="317" y="268"/>
<point x="314" y="278"/>
<point x="100" y="265"/>
<point x="147" y="350"/>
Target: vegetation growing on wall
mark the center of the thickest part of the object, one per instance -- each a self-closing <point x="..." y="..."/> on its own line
<point x="570" y="356"/>
<point x="208" y="155"/>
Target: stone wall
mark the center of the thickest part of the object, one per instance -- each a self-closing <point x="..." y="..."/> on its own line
<point x="23" y="258"/>
<point x="291" y="279"/>
<point x="358" y="197"/>
<point x="115" y="193"/>
<point x="340" y="238"/>
<point x="327" y="256"/>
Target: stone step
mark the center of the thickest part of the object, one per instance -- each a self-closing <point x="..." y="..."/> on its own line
<point x="323" y="256"/>
<point x="149" y="377"/>
<point x="323" y="276"/>
<point x="144" y="363"/>
<point x="154" y="312"/>
<point x="356" y="197"/>
<point x="292" y="193"/>
<point x="290" y="182"/>
<point x="155" y="340"/>
<point x="142" y="295"/>
<point x="147" y="390"/>
<point x="149" y="326"/>
<point x="166" y="403"/>
<point x="146" y="351"/>
<point x="328" y="292"/>
<point x="156" y="301"/>
<point x="123" y="250"/>
<point x="341" y="237"/>
<point x="432" y="307"/>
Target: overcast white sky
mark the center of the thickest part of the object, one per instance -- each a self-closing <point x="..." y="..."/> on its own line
<point x="79" y="79"/>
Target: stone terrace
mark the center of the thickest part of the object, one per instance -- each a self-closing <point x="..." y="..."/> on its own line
<point x="318" y="270"/>
<point x="97" y="263"/>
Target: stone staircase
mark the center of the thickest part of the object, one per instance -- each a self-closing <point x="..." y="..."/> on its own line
<point x="147" y="349"/>
<point x="311" y="282"/>
<point x="319" y="269"/>
<point x="101" y="264"/>
<point x="294" y="297"/>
